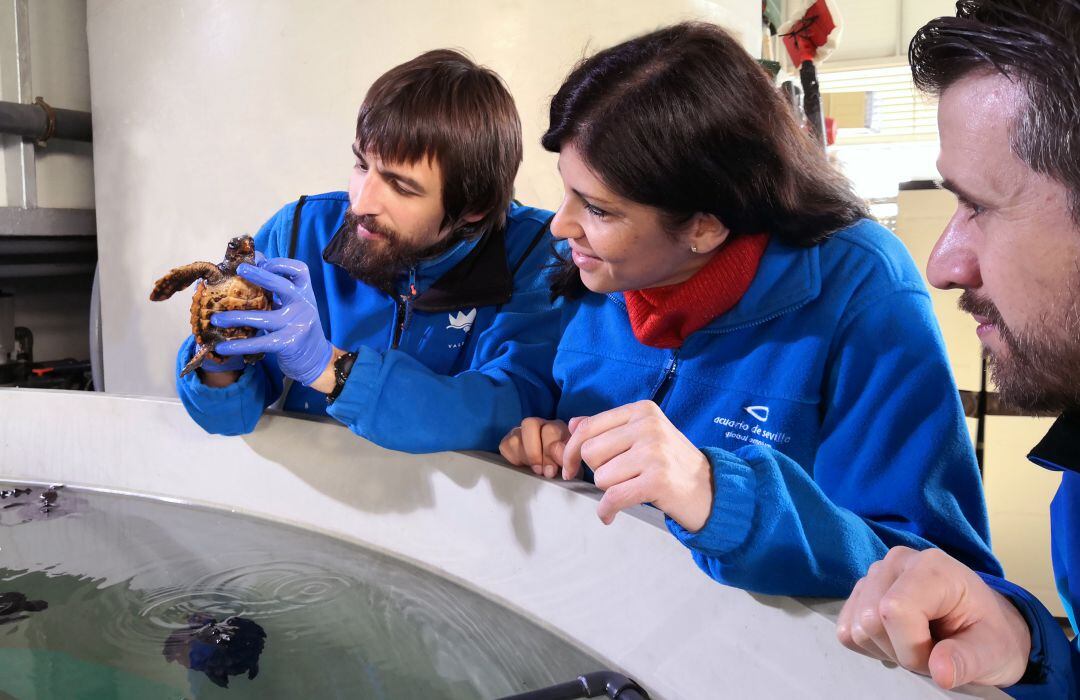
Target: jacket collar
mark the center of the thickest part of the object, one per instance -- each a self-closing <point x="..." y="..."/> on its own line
<point x="473" y="272"/>
<point x="787" y="278"/>
<point x="1059" y="450"/>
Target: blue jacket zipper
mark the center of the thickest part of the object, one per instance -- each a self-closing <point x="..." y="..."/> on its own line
<point x="404" y="309"/>
<point x="665" y="384"/>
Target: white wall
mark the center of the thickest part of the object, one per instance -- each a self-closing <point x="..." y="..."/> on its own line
<point x="210" y="115"/>
<point x="881" y="29"/>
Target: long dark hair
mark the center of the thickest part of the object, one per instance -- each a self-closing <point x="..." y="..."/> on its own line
<point x="684" y="120"/>
<point x="1036" y="42"/>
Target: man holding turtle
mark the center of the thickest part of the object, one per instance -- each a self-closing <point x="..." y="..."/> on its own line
<point x="420" y="293"/>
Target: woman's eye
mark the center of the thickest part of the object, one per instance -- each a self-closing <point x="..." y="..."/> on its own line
<point x="595" y="211"/>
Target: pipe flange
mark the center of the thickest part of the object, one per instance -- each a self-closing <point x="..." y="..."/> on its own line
<point x="50" y="123"/>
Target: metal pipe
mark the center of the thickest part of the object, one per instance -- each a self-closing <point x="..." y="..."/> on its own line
<point x="590" y="685"/>
<point x="31" y="121"/>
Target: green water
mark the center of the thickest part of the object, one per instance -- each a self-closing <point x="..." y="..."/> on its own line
<point x="120" y="574"/>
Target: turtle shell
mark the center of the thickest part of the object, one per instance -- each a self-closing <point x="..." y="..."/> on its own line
<point x="233" y="294"/>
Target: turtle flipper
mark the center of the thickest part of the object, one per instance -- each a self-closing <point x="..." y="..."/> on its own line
<point x="181" y="277"/>
<point x="196" y="361"/>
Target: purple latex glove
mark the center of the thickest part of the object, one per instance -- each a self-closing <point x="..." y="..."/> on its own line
<point x="293" y="330"/>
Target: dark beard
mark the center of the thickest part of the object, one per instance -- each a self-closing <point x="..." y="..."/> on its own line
<point x="381" y="264"/>
<point x="1041" y="373"/>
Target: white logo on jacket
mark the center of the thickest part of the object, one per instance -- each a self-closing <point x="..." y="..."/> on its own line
<point x="759" y="412"/>
<point x="462" y="321"/>
<point x="753" y="433"/>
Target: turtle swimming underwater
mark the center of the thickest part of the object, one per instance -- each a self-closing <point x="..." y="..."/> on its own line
<point x="218" y="649"/>
<point x="221" y="289"/>
<point x="12" y="603"/>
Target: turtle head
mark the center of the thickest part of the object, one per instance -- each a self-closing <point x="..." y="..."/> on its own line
<point x="240" y="249"/>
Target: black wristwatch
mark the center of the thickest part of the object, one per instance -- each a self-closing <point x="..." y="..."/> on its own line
<point x="342" y="367"/>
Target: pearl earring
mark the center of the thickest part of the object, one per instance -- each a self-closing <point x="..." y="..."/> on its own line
<point x="693" y="249"/>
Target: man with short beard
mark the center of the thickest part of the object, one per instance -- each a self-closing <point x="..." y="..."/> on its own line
<point x="1008" y="76"/>
<point x="415" y="307"/>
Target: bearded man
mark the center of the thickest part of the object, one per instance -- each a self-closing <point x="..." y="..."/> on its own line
<point x="1008" y="76"/>
<point x="414" y="308"/>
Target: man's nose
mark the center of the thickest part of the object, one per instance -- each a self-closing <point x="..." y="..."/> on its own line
<point x="368" y="198"/>
<point x="954" y="262"/>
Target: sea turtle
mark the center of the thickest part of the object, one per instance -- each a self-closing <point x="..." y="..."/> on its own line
<point x="221" y="289"/>
<point x="12" y="603"/>
<point x="218" y="649"/>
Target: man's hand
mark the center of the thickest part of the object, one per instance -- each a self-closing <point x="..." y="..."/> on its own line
<point x="538" y="444"/>
<point x="638" y="456"/>
<point x="931" y="614"/>
<point x="294" y="331"/>
<point x="220" y="374"/>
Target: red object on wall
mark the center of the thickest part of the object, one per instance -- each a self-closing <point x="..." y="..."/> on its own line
<point x="830" y="131"/>
<point x="809" y="32"/>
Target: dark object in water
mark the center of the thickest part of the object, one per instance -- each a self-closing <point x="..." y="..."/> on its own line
<point x="218" y="649"/>
<point x="48" y="498"/>
<point x="48" y="505"/>
<point x="13" y="603"/>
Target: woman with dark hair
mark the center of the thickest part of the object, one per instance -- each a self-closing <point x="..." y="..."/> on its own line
<point x="745" y="351"/>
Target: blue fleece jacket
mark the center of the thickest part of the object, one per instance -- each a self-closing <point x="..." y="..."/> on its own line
<point x="423" y="381"/>
<point x="1054" y="665"/>
<point x="825" y="404"/>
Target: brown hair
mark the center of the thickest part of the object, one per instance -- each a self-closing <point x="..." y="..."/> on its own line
<point x="443" y="106"/>
<point x="1036" y="42"/>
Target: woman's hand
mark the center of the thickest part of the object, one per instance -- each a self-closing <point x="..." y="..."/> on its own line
<point x="638" y="456"/>
<point x="538" y="444"/>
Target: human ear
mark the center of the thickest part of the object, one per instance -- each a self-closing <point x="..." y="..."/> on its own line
<point x="706" y="233"/>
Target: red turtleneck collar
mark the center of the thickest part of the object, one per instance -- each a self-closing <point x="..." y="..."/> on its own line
<point x="663" y="317"/>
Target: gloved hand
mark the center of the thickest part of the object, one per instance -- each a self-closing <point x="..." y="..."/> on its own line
<point x="294" y="332"/>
